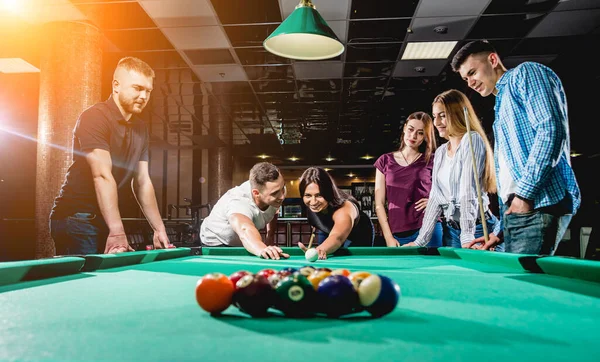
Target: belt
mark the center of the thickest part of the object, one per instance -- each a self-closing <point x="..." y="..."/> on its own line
<point x="455" y="224"/>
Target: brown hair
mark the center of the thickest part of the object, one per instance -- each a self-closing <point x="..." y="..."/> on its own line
<point x="429" y="144"/>
<point x="454" y="102"/>
<point x="263" y="172"/>
<point x="137" y="65"/>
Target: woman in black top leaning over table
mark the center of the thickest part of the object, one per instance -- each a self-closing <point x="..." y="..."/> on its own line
<point x="333" y="212"/>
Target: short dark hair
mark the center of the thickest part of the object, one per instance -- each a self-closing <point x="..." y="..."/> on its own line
<point x="473" y="47"/>
<point x="263" y="172"/>
<point x="327" y="187"/>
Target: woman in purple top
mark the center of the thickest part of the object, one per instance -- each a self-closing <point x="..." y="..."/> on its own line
<point x="404" y="179"/>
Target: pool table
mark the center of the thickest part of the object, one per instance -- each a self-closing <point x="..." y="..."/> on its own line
<point x="455" y="305"/>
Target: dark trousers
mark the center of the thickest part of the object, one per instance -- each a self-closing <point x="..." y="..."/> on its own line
<point x="79" y="234"/>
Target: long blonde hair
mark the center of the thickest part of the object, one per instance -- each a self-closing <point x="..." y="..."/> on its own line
<point x="454" y="102"/>
<point x="429" y="144"/>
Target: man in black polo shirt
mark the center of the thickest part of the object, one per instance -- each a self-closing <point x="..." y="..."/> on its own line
<point x="110" y="150"/>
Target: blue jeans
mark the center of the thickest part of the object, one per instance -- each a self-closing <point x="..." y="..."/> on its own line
<point x="436" y="237"/>
<point x="452" y="235"/>
<point x="534" y="232"/>
<point x="79" y="234"/>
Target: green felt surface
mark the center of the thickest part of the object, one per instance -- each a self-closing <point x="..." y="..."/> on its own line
<point x="451" y="309"/>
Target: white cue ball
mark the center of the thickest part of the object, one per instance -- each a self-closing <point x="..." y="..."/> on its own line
<point x="311" y="255"/>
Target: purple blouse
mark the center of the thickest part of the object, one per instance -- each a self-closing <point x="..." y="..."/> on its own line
<point x="404" y="186"/>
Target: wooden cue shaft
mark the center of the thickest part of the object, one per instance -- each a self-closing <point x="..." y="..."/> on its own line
<point x="483" y="221"/>
<point x="312" y="237"/>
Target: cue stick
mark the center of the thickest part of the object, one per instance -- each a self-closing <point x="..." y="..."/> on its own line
<point x="483" y="221"/>
<point x="312" y="237"/>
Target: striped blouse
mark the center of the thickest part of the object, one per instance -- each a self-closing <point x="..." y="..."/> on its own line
<point x="463" y="190"/>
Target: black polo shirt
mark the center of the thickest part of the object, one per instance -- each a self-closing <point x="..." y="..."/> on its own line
<point x="101" y="127"/>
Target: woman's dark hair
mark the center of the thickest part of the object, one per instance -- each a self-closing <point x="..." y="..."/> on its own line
<point x="330" y="192"/>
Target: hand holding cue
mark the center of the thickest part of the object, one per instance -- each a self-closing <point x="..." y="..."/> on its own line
<point x="483" y="221"/>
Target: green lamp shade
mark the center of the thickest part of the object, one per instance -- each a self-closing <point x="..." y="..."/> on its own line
<point x="304" y="35"/>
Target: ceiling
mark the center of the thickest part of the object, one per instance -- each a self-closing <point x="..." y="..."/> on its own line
<point x="210" y="62"/>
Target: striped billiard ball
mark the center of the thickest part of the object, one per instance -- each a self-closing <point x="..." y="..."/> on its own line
<point x="378" y="294"/>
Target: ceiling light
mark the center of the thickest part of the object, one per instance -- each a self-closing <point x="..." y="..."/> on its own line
<point x="263" y="156"/>
<point x="329" y="158"/>
<point x="16" y="65"/>
<point x="293" y="159"/>
<point x="304" y="35"/>
<point x="367" y="157"/>
<point x="428" y="50"/>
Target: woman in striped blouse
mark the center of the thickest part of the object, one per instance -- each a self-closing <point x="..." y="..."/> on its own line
<point x="454" y="192"/>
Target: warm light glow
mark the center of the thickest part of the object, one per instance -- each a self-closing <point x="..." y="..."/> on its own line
<point x="329" y="158"/>
<point x="575" y="154"/>
<point x="10" y="5"/>
<point x="428" y="50"/>
<point x="293" y="159"/>
<point x="304" y="46"/>
<point x="263" y="156"/>
<point x="367" y="157"/>
<point x="16" y="65"/>
<point x="328" y="169"/>
<point x="350" y="174"/>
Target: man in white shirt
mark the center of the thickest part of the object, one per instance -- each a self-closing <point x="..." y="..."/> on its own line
<point x="241" y="212"/>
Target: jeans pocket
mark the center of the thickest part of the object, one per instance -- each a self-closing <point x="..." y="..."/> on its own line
<point x="82" y="223"/>
<point x="523" y="233"/>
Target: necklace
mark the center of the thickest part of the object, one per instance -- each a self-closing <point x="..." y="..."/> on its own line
<point x="411" y="162"/>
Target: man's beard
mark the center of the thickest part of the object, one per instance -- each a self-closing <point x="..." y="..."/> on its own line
<point x="129" y="105"/>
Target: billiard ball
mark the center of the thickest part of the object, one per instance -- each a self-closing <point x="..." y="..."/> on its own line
<point x="357" y="277"/>
<point x="274" y="279"/>
<point x="214" y="292"/>
<point x="306" y="270"/>
<point x="254" y="295"/>
<point x="378" y="294"/>
<point x="237" y="276"/>
<point x="288" y="271"/>
<point x="266" y="272"/>
<point x="317" y="276"/>
<point x="295" y="296"/>
<point x="324" y="269"/>
<point x="311" y="255"/>
<point x="337" y="296"/>
<point x="344" y="272"/>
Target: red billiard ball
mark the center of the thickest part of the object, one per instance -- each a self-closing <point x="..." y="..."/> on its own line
<point x="379" y="295"/>
<point x="267" y="272"/>
<point x="214" y="292"/>
<point x="254" y="295"/>
<point x="337" y="296"/>
<point x="237" y="276"/>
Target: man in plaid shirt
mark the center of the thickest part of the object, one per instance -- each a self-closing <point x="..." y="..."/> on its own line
<point x="537" y="189"/>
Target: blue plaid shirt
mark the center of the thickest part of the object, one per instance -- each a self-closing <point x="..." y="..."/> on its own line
<point x="531" y="129"/>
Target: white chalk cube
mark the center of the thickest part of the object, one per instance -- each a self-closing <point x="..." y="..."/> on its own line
<point x="311" y="255"/>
